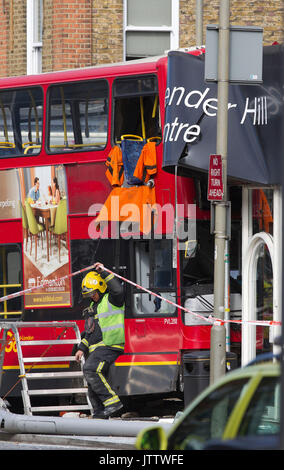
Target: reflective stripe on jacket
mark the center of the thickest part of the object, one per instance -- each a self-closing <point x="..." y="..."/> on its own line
<point x="101" y="343"/>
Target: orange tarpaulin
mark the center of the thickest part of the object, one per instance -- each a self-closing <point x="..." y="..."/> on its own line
<point x="132" y="204"/>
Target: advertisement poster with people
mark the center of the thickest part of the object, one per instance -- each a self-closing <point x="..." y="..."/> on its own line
<point x="46" y="247"/>
<point x="38" y="195"/>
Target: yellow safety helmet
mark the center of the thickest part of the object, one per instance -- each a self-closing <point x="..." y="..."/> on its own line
<point x="92" y="282"/>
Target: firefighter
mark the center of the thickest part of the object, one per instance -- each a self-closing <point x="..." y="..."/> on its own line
<point x="104" y="338"/>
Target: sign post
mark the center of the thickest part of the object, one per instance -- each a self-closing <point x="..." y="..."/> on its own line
<point x="218" y="331"/>
<point x="245" y="68"/>
<point x="215" y="179"/>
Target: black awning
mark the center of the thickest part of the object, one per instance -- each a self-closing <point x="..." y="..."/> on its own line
<point x="255" y="124"/>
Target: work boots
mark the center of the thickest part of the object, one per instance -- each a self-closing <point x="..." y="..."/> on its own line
<point x="109" y="411"/>
<point x="99" y="414"/>
<point x="113" y="410"/>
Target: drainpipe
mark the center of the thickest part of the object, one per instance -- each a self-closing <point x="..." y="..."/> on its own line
<point x="199" y="23"/>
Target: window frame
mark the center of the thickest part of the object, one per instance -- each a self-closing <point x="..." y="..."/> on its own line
<point x="172" y="30"/>
<point x="48" y="117"/>
<point x="34" y="16"/>
<point x="16" y="125"/>
<point x="158" y="290"/>
<point x="12" y="315"/>
<point x="114" y="98"/>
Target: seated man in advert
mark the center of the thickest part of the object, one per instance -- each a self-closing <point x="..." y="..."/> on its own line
<point x="34" y="193"/>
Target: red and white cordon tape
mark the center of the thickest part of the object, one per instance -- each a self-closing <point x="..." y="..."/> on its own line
<point x="52" y="281"/>
<point x="209" y="319"/>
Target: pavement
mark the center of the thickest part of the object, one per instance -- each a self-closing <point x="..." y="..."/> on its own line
<point x="58" y="442"/>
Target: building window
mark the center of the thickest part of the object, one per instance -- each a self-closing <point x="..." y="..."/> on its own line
<point x="34" y="36"/>
<point x="150" y="28"/>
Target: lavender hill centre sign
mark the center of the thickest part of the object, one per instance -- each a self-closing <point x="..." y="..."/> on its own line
<point x="255" y="120"/>
<point x="195" y="99"/>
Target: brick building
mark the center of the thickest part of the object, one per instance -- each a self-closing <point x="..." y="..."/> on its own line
<point x="49" y="35"/>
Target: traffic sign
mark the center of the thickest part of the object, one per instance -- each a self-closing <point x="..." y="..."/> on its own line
<point x="215" y="179"/>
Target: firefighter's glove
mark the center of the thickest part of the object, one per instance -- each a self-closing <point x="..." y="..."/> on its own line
<point x="89" y="311"/>
<point x="89" y="325"/>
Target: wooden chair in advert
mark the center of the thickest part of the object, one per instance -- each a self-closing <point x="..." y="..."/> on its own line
<point x="35" y="228"/>
<point x="60" y="226"/>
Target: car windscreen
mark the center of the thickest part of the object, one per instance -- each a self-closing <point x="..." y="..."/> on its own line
<point x="209" y="418"/>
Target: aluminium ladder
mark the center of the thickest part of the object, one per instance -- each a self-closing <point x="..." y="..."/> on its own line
<point x="27" y="373"/>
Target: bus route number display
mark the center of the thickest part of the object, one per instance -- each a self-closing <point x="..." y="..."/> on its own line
<point x="215" y="179"/>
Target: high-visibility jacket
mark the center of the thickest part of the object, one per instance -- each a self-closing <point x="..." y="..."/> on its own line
<point x="140" y="170"/>
<point x="114" y="163"/>
<point x="147" y="164"/>
<point x="105" y="327"/>
<point x="111" y="321"/>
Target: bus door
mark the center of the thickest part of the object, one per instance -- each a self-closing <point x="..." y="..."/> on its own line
<point x="10" y="281"/>
<point x="150" y="361"/>
<point x="151" y="268"/>
<point x="10" y="310"/>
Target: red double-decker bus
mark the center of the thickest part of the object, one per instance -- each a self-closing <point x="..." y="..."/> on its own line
<point x="61" y="135"/>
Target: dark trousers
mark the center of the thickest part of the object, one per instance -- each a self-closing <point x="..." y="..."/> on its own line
<point x="95" y="371"/>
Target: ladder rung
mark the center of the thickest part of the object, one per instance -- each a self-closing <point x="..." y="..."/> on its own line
<point x="50" y="342"/>
<point x="58" y="391"/>
<point x="61" y="408"/>
<point x="54" y="375"/>
<point x="49" y="359"/>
